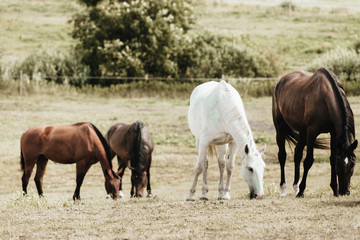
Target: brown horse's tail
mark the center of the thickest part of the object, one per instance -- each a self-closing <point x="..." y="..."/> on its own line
<point x="104" y="143"/>
<point x="293" y="137"/>
<point x="22" y="161"/>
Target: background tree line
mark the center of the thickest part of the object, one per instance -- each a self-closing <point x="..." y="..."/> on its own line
<point x="137" y="38"/>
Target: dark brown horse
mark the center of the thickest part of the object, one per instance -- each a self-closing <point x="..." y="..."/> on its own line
<point x="304" y="106"/>
<point x="132" y="143"/>
<point x="80" y="143"/>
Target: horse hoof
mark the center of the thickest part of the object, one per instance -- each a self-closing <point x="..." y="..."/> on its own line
<point x="300" y="195"/>
<point x="121" y="194"/>
<point x="149" y="195"/>
<point x="226" y="196"/>
<point x="204" y="198"/>
<point x="190" y="198"/>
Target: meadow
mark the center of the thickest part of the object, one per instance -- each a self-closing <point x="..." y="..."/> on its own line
<point x="167" y="215"/>
<point x="293" y="38"/>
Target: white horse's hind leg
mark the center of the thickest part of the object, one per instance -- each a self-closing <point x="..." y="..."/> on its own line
<point x="197" y="171"/>
<point x="221" y="162"/>
<point x="205" y="187"/>
<point x="229" y="168"/>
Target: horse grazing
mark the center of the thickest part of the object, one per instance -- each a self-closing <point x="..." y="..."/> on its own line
<point x="304" y="106"/>
<point x="80" y="143"/>
<point x="132" y="143"/>
<point x="216" y="116"/>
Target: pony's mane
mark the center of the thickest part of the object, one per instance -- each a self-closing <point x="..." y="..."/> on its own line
<point x="104" y="143"/>
<point x="139" y="146"/>
<point x="346" y="112"/>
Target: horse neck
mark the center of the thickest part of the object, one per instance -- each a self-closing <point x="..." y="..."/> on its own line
<point x="242" y="135"/>
<point x="105" y="164"/>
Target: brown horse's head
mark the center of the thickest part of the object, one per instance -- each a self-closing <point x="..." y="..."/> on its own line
<point x="140" y="162"/>
<point x="112" y="183"/>
<point x="139" y="181"/>
<point x="345" y="162"/>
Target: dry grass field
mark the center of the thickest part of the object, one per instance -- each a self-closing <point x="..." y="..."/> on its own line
<point x="167" y="215"/>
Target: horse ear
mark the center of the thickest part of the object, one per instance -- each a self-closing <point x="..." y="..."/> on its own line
<point x="246" y="149"/>
<point x="262" y="149"/>
<point x="353" y="146"/>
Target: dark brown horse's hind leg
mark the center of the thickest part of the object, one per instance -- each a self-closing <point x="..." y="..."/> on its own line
<point x="308" y="162"/>
<point x="40" y="170"/>
<point x="297" y="159"/>
<point x="280" y="139"/>
<point x="149" y="194"/>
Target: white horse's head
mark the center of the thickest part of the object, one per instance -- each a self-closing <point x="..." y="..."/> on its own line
<point x="252" y="170"/>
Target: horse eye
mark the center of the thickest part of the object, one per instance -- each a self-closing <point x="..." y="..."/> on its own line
<point x="251" y="169"/>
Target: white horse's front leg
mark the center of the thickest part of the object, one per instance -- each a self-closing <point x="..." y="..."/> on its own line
<point x="197" y="171"/>
<point x="229" y="168"/>
<point x="221" y="162"/>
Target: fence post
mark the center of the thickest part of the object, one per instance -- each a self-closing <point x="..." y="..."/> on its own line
<point x="21" y="83"/>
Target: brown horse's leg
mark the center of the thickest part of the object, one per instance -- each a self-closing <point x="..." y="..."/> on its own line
<point x="280" y="140"/>
<point x="29" y="165"/>
<point x="333" y="182"/>
<point x="121" y="171"/>
<point x="148" y="182"/>
<point x="81" y="170"/>
<point x="40" y="170"/>
<point x="297" y="159"/>
<point x="308" y="162"/>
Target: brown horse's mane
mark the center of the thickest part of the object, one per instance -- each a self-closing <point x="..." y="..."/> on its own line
<point x="104" y="143"/>
<point x="138" y="146"/>
<point x="347" y="114"/>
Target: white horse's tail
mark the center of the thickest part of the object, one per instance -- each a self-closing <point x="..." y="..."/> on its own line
<point x="212" y="151"/>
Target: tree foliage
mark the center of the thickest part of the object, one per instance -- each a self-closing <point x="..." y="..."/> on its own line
<point x="132" y="37"/>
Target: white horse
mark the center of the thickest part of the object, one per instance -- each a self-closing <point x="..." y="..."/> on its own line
<point x="216" y="116"/>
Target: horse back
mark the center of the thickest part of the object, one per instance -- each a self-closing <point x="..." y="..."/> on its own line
<point x="214" y="103"/>
<point x="62" y="144"/>
<point x="302" y="98"/>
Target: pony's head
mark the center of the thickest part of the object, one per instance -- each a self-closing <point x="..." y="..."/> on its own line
<point x="252" y="170"/>
<point x="345" y="162"/>
<point x="112" y="183"/>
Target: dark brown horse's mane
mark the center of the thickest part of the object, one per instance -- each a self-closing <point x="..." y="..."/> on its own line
<point x="138" y="147"/>
<point x="104" y="143"/>
<point x="347" y="114"/>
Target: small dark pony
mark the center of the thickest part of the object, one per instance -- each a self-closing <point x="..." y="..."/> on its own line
<point x="132" y="143"/>
<point x="80" y="143"/>
<point x="304" y="106"/>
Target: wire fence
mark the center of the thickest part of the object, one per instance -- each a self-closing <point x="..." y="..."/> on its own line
<point x="115" y="80"/>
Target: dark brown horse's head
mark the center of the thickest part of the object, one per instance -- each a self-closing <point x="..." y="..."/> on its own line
<point x="345" y="162"/>
<point x="112" y="183"/>
<point x="139" y="181"/>
<point x="141" y="159"/>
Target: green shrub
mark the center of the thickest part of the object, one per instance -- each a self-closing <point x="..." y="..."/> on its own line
<point x="343" y="62"/>
<point x="52" y="66"/>
<point x="209" y="55"/>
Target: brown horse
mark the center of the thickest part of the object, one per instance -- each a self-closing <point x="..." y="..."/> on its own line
<point x="132" y="143"/>
<point x="304" y="106"/>
<point x="80" y="143"/>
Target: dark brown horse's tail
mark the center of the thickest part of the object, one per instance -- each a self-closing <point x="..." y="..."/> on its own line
<point x="104" y="143"/>
<point x="22" y="161"/>
<point x="293" y="137"/>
